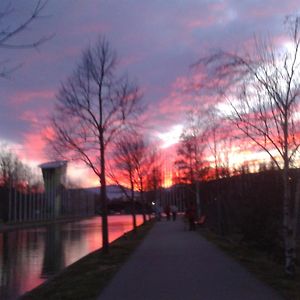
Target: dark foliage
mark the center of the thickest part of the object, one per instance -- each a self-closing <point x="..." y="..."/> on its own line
<point x="248" y="206"/>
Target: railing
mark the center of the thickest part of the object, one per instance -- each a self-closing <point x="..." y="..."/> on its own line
<point x="20" y="206"/>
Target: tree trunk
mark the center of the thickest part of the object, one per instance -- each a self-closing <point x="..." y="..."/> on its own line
<point x="198" y="203"/>
<point x="133" y="204"/>
<point x="143" y="200"/>
<point x="288" y="236"/>
<point x="288" y="231"/>
<point x="296" y="216"/>
<point x="105" y="240"/>
<point x="143" y="205"/>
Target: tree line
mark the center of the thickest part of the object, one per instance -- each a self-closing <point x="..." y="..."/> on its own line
<point x="16" y="174"/>
<point x="96" y="119"/>
<point x="259" y="90"/>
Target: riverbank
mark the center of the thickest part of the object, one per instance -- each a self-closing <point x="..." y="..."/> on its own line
<point x="86" y="278"/>
<point x="264" y="267"/>
<point x="14" y="226"/>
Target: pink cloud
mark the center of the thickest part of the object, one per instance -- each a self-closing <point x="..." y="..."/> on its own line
<point x="29" y="96"/>
<point x="34" y="145"/>
<point x="30" y="116"/>
<point x="35" y="151"/>
<point x="262" y="11"/>
<point x="206" y="17"/>
<point x="37" y="118"/>
<point x="201" y="22"/>
<point x="184" y="96"/>
<point x="131" y="60"/>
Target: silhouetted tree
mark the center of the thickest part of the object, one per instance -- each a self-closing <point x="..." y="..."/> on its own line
<point x="191" y="148"/>
<point x="191" y="160"/>
<point x="125" y="165"/>
<point x="93" y="106"/>
<point x="10" y="168"/>
<point x="143" y="159"/>
<point x="154" y="181"/>
<point x="132" y="163"/>
<point x="16" y="174"/>
<point x="11" y="30"/>
<point x="263" y="89"/>
<point x="219" y="141"/>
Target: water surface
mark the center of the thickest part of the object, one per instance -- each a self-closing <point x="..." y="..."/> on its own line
<point x="30" y="256"/>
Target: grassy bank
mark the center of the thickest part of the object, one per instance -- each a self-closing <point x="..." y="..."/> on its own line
<point x="258" y="263"/>
<point x="87" y="277"/>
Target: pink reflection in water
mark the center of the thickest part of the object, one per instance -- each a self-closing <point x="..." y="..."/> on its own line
<point x="29" y="256"/>
<point x="118" y="225"/>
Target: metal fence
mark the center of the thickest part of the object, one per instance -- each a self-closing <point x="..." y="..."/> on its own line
<point x="20" y="206"/>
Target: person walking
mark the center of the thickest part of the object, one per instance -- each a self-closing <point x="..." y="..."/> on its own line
<point x="174" y="212"/>
<point x="167" y="212"/>
<point x="158" y="211"/>
<point x="191" y="216"/>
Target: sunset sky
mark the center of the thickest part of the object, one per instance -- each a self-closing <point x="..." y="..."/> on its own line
<point x="156" y="41"/>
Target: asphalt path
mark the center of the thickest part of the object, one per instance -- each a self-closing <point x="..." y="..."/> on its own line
<point x="176" y="264"/>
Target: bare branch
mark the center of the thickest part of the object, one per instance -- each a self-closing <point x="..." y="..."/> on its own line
<point x="7" y="34"/>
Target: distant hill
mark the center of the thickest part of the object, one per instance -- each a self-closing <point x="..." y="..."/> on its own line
<point x="113" y="192"/>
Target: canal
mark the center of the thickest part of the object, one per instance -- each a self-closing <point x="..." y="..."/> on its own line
<point x="30" y="256"/>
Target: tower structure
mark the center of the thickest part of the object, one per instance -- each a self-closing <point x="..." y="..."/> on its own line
<point x="54" y="175"/>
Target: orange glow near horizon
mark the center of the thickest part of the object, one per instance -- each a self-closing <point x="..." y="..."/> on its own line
<point x="237" y="158"/>
<point x="167" y="181"/>
<point x="81" y="176"/>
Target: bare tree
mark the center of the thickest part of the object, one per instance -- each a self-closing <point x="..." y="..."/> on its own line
<point x="191" y="162"/>
<point x="126" y="166"/>
<point x="10" y="168"/>
<point x="93" y="106"/>
<point x="263" y="89"/>
<point x="9" y="31"/>
<point x="191" y="147"/>
<point x="14" y="173"/>
<point x="145" y="159"/>
<point x="154" y="179"/>
<point x="219" y="141"/>
<point x="133" y="161"/>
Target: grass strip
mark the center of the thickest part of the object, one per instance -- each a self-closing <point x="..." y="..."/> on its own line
<point x="258" y="263"/>
<point x="86" y="278"/>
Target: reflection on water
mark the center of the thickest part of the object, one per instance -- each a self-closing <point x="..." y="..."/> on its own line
<point x="54" y="258"/>
<point x="30" y="256"/>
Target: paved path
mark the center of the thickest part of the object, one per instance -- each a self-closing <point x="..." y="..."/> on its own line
<point x="173" y="264"/>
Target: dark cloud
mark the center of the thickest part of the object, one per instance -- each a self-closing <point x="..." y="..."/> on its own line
<point x="156" y="41"/>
